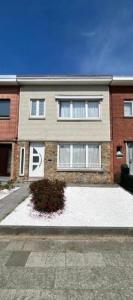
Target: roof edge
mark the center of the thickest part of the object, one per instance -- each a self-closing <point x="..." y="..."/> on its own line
<point x="122" y="80"/>
<point x="8" y="80"/>
<point x="64" y="80"/>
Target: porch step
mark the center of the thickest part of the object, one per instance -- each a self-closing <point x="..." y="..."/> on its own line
<point x="4" y="179"/>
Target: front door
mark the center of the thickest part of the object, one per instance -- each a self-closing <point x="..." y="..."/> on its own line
<point x="5" y="159"/>
<point x="36" y="164"/>
<point x="130" y="157"/>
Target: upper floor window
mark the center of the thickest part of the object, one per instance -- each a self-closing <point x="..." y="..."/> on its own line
<point x="79" y="109"/>
<point x="128" y="108"/>
<point x="4" y="108"/>
<point x="37" y="108"/>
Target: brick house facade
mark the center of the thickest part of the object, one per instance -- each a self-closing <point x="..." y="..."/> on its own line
<point x="9" y="109"/>
<point x="121" y="127"/>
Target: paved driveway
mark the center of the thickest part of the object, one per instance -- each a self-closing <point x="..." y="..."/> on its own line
<point x="9" y="203"/>
<point x="66" y="269"/>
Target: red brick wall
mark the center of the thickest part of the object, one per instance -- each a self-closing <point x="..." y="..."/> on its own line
<point x="9" y="128"/>
<point x="121" y="127"/>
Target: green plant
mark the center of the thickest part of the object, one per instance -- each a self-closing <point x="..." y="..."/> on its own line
<point x="8" y="185"/>
<point x="48" y="195"/>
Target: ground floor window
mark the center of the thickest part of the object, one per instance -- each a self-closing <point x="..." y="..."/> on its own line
<point x="79" y="156"/>
<point x="22" y="161"/>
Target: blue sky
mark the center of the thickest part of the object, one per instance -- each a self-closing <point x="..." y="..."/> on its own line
<point x="66" y="37"/>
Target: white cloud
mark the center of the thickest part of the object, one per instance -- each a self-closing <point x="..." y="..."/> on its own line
<point x="88" y="34"/>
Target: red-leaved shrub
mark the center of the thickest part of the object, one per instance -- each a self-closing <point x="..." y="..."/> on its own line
<point x="47" y="195"/>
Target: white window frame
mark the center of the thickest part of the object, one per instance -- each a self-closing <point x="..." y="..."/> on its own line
<point x="85" y="99"/>
<point x="71" y="153"/>
<point x="37" y="116"/>
<point x="22" y="173"/>
<point x="130" y="102"/>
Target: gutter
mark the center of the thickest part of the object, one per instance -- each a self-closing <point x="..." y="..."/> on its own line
<point x="64" y="80"/>
<point x="8" y="80"/>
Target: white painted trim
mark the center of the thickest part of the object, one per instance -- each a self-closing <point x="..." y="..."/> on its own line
<point x="58" y="149"/>
<point x="22" y="174"/>
<point x="100" y="156"/>
<point x="127" y="155"/>
<point x="71" y="155"/>
<point x="69" y="97"/>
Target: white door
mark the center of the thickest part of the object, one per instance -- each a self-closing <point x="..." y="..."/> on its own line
<point x="130" y="157"/>
<point x="36" y="160"/>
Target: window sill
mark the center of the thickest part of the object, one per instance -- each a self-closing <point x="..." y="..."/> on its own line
<point x="79" y="120"/>
<point x="5" y="118"/>
<point x="128" y="117"/>
<point x="80" y="170"/>
<point x="37" y="118"/>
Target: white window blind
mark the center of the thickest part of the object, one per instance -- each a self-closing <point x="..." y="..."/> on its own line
<point x="79" y="156"/>
<point x="64" y="156"/>
<point x="65" y="109"/>
<point x="79" y="109"/>
<point x="93" y="109"/>
<point x="128" y="108"/>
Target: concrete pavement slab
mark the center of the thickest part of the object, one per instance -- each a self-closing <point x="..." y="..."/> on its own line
<point x="112" y="259"/>
<point x="3" y="244"/>
<point x="6" y="294"/>
<point x="75" y="259"/>
<point x="32" y="294"/>
<point x="15" y="245"/>
<point x="18" y="259"/>
<point x="30" y="278"/>
<point x="55" y="260"/>
<point x="66" y="278"/>
<point x="94" y="259"/>
<point x="36" y="259"/>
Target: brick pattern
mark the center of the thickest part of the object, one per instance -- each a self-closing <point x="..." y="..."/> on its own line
<point x="9" y="127"/>
<point x="121" y="127"/>
<point x="50" y="166"/>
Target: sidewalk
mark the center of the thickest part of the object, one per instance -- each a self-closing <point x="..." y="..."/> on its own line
<point x="47" y="269"/>
<point x="9" y="203"/>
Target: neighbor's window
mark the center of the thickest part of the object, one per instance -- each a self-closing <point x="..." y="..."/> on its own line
<point x="128" y="108"/>
<point x="22" y="161"/>
<point x="4" y="108"/>
<point x="79" y="156"/>
<point x="37" y="108"/>
<point x="79" y="109"/>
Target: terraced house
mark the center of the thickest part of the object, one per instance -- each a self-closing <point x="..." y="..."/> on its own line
<point x="9" y="106"/>
<point x="64" y="128"/>
<point x="121" y="100"/>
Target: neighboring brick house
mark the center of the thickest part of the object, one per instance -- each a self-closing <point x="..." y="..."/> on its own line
<point x="9" y="106"/>
<point x="121" y="108"/>
<point x="64" y="128"/>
